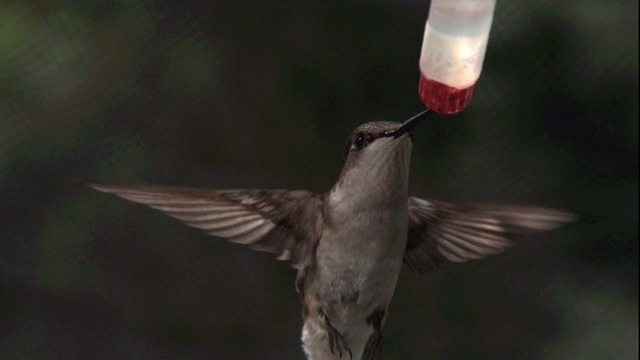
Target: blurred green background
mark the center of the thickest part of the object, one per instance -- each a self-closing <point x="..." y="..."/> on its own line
<point x="263" y="94"/>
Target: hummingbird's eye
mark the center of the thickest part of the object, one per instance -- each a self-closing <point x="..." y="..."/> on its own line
<point x="361" y="140"/>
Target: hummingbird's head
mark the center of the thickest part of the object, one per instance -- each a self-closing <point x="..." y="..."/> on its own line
<point x="378" y="155"/>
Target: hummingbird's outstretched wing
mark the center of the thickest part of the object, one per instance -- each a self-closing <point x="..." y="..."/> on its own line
<point x="285" y="222"/>
<point x="441" y="233"/>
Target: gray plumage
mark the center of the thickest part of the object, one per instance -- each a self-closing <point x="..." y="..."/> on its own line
<point x="348" y="244"/>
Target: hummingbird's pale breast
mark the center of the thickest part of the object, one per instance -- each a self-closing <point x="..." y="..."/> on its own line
<point x="366" y="220"/>
<point x="359" y="255"/>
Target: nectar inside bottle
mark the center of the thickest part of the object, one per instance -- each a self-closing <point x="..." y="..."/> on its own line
<point x="443" y="98"/>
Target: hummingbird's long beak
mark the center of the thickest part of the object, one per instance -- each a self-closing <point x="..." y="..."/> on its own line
<point x="410" y="124"/>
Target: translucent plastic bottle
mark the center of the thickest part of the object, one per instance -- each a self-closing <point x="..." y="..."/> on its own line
<point x="455" y="41"/>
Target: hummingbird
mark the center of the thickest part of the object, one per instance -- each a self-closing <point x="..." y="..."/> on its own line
<point x="349" y="244"/>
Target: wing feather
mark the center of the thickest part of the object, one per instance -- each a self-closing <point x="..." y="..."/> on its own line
<point x="441" y="233"/>
<point x="284" y="222"/>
